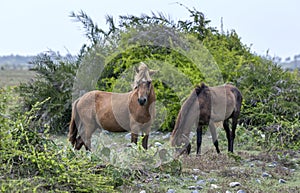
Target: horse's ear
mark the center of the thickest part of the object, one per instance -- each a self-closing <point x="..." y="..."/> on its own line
<point x="200" y="88"/>
<point x="133" y="86"/>
<point x="151" y="72"/>
<point x="203" y="86"/>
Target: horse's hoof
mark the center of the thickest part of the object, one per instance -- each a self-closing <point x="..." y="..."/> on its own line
<point x="129" y="145"/>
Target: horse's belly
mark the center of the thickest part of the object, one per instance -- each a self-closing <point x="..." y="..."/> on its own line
<point x="113" y="121"/>
<point x="217" y="117"/>
<point x="113" y="128"/>
<point x="220" y="114"/>
<point x="113" y="125"/>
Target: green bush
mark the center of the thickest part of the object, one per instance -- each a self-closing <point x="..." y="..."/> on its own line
<point x="54" y="80"/>
<point x="271" y="102"/>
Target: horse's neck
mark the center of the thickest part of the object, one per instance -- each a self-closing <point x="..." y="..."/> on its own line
<point x="181" y="133"/>
<point x="188" y="116"/>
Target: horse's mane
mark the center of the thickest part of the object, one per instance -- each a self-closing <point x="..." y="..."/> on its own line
<point x="143" y="73"/>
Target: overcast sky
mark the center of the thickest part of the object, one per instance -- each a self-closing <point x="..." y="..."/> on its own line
<point x="33" y="26"/>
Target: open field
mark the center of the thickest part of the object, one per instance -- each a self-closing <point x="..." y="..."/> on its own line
<point x="244" y="171"/>
<point x="14" y="77"/>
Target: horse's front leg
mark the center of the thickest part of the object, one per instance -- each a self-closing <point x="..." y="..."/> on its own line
<point x="134" y="137"/>
<point x="145" y="141"/>
<point x="228" y="133"/>
<point x="199" y="138"/>
<point x="234" y="124"/>
<point x="137" y="128"/>
<point x="146" y="136"/>
<point x="79" y="143"/>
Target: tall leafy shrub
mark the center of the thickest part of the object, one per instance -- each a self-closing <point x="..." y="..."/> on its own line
<point x="270" y="93"/>
<point x="271" y="103"/>
<point x="54" y="80"/>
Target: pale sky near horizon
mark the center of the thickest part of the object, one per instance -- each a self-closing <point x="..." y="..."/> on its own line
<point x="34" y="26"/>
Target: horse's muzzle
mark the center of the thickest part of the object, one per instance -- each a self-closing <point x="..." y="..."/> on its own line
<point x="142" y="101"/>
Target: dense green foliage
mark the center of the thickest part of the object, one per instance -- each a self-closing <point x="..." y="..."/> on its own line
<point x="271" y="95"/>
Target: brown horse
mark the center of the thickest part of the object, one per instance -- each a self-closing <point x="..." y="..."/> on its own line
<point x="206" y="106"/>
<point x="117" y="112"/>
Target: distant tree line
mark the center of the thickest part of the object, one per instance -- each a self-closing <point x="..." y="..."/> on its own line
<point x="16" y="62"/>
<point x="289" y="63"/>
<point x="25" y="62"/>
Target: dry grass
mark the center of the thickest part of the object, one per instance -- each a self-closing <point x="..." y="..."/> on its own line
<point x="247" y="168"/>
<point x="15" y="77"/>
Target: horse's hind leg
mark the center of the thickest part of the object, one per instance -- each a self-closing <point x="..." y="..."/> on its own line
<point x="79" y="143"/>
<point x="234" y="124"/>
<point x="188" y="148"/>
<point x="228" y="133"/>
<point x="199" y="138"/>
<point x="88" y="136"/>
<point x="213" y="132"/>
<point x="85" y="134"/>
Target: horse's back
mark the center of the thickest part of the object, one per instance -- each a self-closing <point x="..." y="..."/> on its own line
<point x="223" y="101"/>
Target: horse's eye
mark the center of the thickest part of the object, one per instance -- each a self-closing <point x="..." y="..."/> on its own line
<point x="148" y="83"/>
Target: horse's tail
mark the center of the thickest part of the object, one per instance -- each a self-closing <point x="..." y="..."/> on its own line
<point x="239" y="98"/>
<point x="73" y="128"/>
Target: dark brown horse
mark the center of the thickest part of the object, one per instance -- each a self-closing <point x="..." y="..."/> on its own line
<point x="117" y="112"/>
<point x="206" y="106"/>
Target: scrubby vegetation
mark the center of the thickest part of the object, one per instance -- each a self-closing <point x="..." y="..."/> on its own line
<point x="31" y="161"/>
